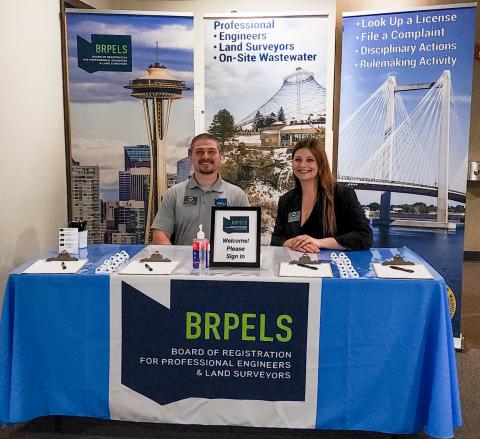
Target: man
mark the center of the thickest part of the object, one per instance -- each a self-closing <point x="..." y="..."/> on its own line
<point x="188" y="204"/>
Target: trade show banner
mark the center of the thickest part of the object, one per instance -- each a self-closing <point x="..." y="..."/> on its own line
<point x="214" y="352"/>
<point x="266" y="87"/>
<point x="130" y="86"/>
<point x="404" y="129"/>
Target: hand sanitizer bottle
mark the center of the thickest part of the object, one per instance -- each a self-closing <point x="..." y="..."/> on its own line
<point x="200" y="250"/>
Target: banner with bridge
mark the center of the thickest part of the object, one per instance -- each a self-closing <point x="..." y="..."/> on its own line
<point x="268" y="84"/>
<point x="404" y="129"/>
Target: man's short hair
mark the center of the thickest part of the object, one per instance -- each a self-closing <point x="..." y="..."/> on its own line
<point x="203" y="136"/>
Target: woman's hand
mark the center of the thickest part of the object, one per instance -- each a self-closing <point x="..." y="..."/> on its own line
<point x="303" y="243"/>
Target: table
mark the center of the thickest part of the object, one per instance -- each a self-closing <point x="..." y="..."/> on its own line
<point x="383" y="357"/>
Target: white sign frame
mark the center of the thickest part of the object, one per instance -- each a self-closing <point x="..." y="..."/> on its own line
<point x="235" y="249"/>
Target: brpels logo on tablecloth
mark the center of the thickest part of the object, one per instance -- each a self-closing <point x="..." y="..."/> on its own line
<point x="229" y="340"/>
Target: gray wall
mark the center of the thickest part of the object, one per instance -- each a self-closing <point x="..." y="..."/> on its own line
<point x="33" y="199"/>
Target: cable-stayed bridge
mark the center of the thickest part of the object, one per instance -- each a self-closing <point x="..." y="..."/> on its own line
<point x="384" y="147"/>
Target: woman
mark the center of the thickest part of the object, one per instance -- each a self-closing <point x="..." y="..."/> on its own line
<point x="318" y="212"/>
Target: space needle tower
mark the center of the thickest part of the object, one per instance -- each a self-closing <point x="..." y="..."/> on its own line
<point x="158" y="89"/>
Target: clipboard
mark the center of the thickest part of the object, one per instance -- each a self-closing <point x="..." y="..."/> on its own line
<point x="415" y="271"/>
<point x="302" y="270"/>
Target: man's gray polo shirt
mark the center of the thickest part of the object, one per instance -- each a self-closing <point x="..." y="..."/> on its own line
<point x="186" y="205"/>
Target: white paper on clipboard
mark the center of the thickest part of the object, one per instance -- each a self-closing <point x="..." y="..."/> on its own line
<point x="149" y="268"/>
<point x="387" y="272"/>
<point x="295" y="270"/>
<point x="42" y="266"/>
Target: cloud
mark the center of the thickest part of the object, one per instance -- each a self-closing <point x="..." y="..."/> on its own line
<point x="110" y="86"/>
<point x="177" y="149"/>
<point x="97" y="92"/>
<point x="108" y="154"/>
<point x="171" y="36"/>
<point x="462" y="99"/>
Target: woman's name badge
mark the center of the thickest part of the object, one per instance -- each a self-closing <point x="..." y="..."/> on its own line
<point x="293" y="216"/>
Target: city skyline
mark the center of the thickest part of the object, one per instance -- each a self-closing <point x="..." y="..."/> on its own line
<point x="122" y="218"/>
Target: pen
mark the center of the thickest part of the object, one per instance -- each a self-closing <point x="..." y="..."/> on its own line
<point x="307" y="266"/>
<point x="64" y="267"/>
<point x="148" y="267"/>
<point x="407" y="270"/>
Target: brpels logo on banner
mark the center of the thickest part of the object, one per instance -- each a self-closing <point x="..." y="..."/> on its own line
<point x="218" y="339"/>
<point x="106" y="53"/>
<point x="236" y="224"/>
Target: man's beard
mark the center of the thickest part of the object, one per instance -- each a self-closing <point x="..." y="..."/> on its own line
<point x="206" y="172"/>
<point x="212" y="171"/>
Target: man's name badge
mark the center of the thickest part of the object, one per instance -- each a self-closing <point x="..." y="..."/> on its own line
<point x="190" y="200"/>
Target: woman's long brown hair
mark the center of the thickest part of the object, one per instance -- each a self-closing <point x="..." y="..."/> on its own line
<point x="326" y="182"/>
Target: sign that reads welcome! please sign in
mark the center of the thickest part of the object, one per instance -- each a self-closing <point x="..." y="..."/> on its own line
<point x="235" y="236"/>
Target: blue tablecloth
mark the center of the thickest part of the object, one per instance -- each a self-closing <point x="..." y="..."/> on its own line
<point x="386" y="357"/>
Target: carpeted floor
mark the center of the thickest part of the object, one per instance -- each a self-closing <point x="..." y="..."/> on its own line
<point x="468" y="363"/>
<point x="89" y="429"/>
